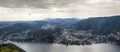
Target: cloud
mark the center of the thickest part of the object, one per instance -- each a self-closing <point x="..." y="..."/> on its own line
<point x="25" y="3"/>
<point x="40" y="9"/>
<point x="38" y="3"/>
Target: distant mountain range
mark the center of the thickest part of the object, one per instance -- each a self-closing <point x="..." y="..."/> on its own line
<point x="65" y="31"/>
<point x="18" y="26"/>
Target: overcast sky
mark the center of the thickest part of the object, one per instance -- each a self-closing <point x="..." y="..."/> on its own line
<point x="41" y="9"/>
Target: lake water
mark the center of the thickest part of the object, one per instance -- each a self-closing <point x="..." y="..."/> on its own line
<point x="37" y="47"/>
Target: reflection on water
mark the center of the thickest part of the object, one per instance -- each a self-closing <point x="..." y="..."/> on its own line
<point x="36" y="47"/>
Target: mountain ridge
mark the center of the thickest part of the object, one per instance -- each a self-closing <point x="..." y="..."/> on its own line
<point x="65" y="31"/>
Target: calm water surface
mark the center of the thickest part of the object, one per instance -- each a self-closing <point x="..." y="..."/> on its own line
<point x="37" y="47"/>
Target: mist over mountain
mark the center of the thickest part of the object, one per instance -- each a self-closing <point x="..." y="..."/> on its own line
<point x="60" y="20"/>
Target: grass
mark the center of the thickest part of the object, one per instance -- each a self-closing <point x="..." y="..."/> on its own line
<point x="10" y="48"/>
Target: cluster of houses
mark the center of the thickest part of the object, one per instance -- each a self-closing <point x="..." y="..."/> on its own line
<point x="4" y="41"/>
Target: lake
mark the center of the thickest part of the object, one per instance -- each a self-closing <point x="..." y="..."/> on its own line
<point x="37" y="47"/>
